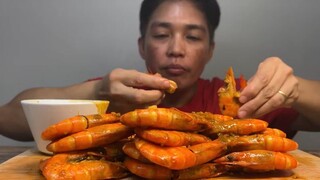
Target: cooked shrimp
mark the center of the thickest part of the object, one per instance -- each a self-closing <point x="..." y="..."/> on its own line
<point x="76" y="124"/>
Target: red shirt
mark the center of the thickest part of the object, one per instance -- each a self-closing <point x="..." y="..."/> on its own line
<point x="206" y="100"/>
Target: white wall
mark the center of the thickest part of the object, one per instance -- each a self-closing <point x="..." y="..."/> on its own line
<point x="56" y="43"/>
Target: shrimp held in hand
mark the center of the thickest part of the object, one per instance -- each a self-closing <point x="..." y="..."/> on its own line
<point x="229" y="95"/>
<point x="172" y="88"/>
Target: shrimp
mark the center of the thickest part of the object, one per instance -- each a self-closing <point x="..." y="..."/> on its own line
<point x="163" y="118"/>
<point x="171" y="138"/>
<point x="213" y="118"/>
<point x="229" y="95"/>
<point x="180" y="157"/>
<point x="130" y="150"/>
<point x="148" y="171"/>
<point x="76" y="124"/>
<point x="80" y="165"/>
<point x="92" y="137"/>
<point x="172" y="88"/>
<point x="154" y="171"/>
<point x="274" y="131"/>
<point x="259" y="160"/>
<point x="259" y="141"/>
<point x="237" y="126"/>
<point x="206" y="170"/>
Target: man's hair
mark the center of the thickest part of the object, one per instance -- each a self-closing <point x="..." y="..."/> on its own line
<point x="209" y="8"/>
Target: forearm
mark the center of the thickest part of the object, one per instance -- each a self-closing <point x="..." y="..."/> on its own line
<point x="13" y="123"/>
<point x="308" y="102"/>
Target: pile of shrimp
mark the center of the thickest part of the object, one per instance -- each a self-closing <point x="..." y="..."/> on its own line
<point x="171" y="144"/>
<point x="166" y="143"/>
<point x="86" y="147"/>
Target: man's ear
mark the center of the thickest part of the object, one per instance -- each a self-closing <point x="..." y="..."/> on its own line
<point x="141" y="47"/>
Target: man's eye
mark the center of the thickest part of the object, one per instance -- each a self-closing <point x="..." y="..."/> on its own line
<point x="160" y="36"/>
<point x="193" y="38"/>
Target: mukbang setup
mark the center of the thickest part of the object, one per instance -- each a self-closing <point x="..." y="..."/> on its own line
<point x="166" y="143"/>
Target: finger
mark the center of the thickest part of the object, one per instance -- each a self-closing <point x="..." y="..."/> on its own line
<point x="265" y="94"/>
<point x="145" y="81"/>
<point x="261" y="79"/>
<point x="284" y="98"/>
<point x="140" y="96"/>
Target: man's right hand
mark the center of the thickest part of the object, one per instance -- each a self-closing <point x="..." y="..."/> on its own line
<point x="129" y="89"/>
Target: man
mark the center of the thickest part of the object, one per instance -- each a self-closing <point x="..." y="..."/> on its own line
<point x="177" y="40"/>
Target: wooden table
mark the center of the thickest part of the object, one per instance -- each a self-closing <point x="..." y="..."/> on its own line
<point x="7" y="152"/>
<point x="23" y="163"/>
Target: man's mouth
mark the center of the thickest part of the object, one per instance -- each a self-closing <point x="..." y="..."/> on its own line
<point x="175" y="70"/>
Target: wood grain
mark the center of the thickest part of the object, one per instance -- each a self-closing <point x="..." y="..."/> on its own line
<point x="26" y="166"/>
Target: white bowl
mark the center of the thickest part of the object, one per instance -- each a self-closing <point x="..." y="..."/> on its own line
<point x="41" y="113"/>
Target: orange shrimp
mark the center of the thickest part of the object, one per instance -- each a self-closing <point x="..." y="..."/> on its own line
<point x="206" y="170"/>
<point x="259" y="141"/>
<point x="80" y="165"/>
<point x="171" y="138"/>
<point x="154" y="171"/>
<point x="259" y="160"/>
<point x="130" y="150"/>
<point x="237" y="126"/>
<point x="148" y="171"/>
<point x="163" y="118"/>
<point x="180" y="157"/>
<point x="172" y="85"/>
<point x="76" y="124"/>
<point x="213" y="118"/>
<point x="92" y="137"/>
<point x="172" y="88"/>
<point x="274" y="131"/>
<point x="229" y="96"/>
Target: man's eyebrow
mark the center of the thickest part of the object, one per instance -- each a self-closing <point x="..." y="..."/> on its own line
<point x="188" y="26"/>
<point x="196" y="27"/>
<point x="160" y="24"/>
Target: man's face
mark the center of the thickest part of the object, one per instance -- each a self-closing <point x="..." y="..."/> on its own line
<point x="176" y="43"/>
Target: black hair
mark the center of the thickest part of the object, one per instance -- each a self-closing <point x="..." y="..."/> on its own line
<point x="210" y="9"/>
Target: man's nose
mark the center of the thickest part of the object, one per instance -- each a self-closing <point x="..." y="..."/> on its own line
<point x="176" y="47"/>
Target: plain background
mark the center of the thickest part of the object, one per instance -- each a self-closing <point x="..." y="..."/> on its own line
<point x="57" y="42"/>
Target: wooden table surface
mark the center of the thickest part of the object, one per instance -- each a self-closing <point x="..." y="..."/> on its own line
<point x="23" y="163"/>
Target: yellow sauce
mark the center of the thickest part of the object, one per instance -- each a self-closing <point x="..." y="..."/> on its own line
<point x="102" y="106"/>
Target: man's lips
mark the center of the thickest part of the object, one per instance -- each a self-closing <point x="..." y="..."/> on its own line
<point x="175" y="69"/>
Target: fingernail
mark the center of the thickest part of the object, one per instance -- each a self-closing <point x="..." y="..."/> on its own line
<point x="242" y="114"/>
<point x="166" y="82"/>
